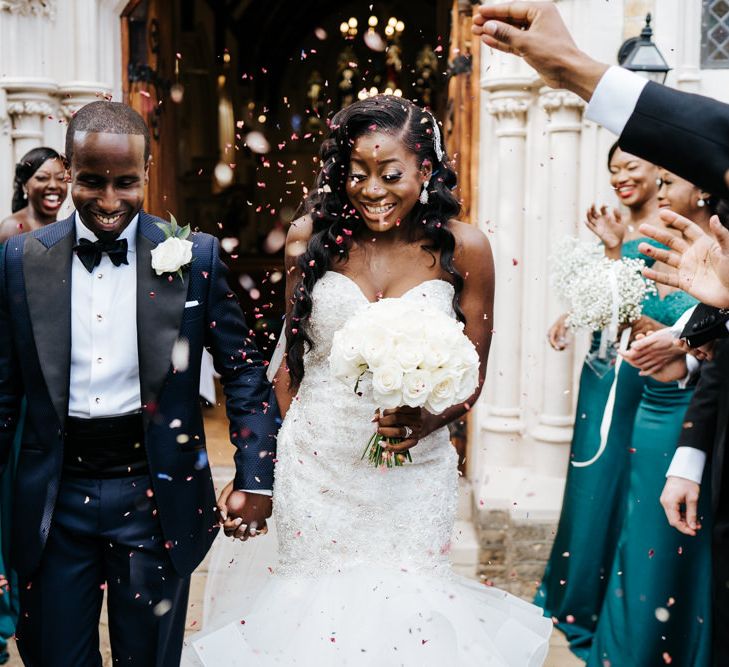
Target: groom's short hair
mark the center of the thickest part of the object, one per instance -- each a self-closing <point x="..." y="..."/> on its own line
<point x="110" y="117"/>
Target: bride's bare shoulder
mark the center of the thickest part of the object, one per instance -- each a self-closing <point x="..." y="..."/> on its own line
<point x="472" y="245"/>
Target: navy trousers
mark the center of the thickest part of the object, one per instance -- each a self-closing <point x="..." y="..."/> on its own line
<point x="105" y="534"/>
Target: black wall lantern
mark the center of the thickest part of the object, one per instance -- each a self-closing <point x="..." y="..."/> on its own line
<point x="641" y="55"/>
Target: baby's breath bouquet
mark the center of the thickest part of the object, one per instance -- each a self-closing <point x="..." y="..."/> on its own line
<point x="601" y="293"/>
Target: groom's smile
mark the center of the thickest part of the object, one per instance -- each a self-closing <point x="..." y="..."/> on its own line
<point x="108" y="175"/>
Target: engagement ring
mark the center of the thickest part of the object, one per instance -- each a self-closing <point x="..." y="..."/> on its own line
<point x="408" y="432"/>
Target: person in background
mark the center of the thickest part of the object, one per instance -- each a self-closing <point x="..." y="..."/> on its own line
<point x="572" y="589"/>
<point x="654" y="612"/>
<point x="39" y="191"/>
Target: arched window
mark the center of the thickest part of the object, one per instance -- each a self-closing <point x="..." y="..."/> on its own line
<point x="715" y="34"/>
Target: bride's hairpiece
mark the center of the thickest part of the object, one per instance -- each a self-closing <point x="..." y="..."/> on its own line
<point x="436" y="138"/>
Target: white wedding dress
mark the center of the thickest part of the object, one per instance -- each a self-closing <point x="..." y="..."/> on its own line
<point x="364" y="576"/>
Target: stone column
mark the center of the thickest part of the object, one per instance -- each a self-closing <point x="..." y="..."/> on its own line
<point x="564" y="125"/>
<point x="31" y="106"/>
<point x="499" y="416"/>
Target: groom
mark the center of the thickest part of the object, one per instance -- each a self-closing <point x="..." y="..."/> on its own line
<point x="113" y="488"/>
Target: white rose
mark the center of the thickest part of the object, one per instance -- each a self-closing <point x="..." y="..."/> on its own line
<point x="345" y="361"/>
<point x="386" y="386"/>
<point x="468" y="383"/>
<point x="171" y="255"/>
<point x="436" y="354"/>
<point x="377" y="345"/>
<point x="409" y="354"/>
<point x="416" y="388"/>
<point x="443" y="394"/>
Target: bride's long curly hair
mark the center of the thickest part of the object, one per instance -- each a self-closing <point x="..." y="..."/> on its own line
<point x="336" y="223"/>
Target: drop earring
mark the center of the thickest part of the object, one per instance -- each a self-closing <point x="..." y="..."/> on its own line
<point x="25" y="194"/>
<point x="702" y="202"/>
<point x="424" y="193"/>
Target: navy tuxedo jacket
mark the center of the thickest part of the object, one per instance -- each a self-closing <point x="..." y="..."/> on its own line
<point x="35" y="353"/>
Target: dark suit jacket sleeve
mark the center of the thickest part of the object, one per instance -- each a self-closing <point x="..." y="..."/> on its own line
<point x="687" y="134"/>
<point x="700" y="422"/>
<point x="705" y="324"/>
<point x="10" y="387"/>
<point x="249" y="399"/>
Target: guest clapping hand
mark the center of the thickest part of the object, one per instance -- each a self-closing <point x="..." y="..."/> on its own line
<point x="701" y="259"/>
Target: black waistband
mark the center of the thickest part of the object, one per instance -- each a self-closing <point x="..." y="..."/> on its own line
<point x="105" y="446"/>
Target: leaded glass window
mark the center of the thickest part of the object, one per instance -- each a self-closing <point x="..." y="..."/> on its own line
<point x="715" y="34"/>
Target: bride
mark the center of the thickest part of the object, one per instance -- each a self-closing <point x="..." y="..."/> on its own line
<point x="364" y="577"/>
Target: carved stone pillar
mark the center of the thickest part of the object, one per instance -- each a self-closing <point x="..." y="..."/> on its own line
<point x="500" y="419"/>
<point x="31" y="105"/>
<point x="564" y="125"/>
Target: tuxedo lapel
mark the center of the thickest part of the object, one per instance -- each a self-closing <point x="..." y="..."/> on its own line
<point x="160" y="306"/>
<point x="47" y="258"/>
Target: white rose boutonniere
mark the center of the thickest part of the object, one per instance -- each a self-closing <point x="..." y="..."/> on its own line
<point x="175" y="252"/>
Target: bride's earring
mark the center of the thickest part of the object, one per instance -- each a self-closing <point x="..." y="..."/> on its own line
<point x="702" y="202"/>
<point x="424" y="193"/>
<point x="25" y="194"/>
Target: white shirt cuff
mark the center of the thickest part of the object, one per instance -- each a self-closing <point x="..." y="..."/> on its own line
<point x="688" y="463"/>
<point x="680" y="324"/>
<point x="726" y="324"/>
<point x="614" y="99"/>
<point x="262" y="492"/>
<point x="692" y="366"/>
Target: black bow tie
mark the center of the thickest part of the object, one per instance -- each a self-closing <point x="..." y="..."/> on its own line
<point x="90" y="252"/>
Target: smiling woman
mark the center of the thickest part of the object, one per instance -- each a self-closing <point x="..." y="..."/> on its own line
<point x="40" y="188"/>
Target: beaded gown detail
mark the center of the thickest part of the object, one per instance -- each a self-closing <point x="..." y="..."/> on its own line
<point x="364" y="576"/>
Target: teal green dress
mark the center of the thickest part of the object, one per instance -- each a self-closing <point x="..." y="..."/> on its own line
<point x="573" y="587"/>
<point x="658" y="600"/>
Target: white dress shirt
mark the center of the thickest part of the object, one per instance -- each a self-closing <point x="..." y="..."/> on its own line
<point x="614" y="99"/>
<point x="104" y="355"/>
<point x="104" y="358"/>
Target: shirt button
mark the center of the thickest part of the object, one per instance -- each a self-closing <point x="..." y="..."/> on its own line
<point x="97" y="400"/>
<point x="99" y="317"/>
<point x="99" y="360"/>
<point x="99" y="275"/>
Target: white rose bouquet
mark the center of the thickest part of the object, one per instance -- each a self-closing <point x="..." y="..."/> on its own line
<point x="415" y="356"/>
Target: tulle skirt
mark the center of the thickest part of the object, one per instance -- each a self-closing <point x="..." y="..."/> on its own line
<point x="370" y="615"/>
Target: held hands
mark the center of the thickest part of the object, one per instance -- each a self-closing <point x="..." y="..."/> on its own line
<point x="607" y="225"/>
<point x="243" y="514"/>
<point x="535" y="31"/>
<point x="680" y="501"/>
<point x="701" y="260"/>
<point x="653" y="351"/>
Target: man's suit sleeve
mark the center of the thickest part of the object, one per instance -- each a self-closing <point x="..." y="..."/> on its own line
<point x="700" y="421"/>
<point x="705" y="324"/>
<point x="684" y="133"/>
<point x="249" y="399"/>
<point x="10" y="387"/>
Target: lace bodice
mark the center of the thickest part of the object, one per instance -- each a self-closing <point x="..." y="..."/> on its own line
<point x="334" y="510"/>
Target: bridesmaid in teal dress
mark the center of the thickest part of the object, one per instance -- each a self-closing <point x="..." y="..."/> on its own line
<point x="39" y="191"/>
<point x="657" y="609"/>
<point x="574" y="582"/>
